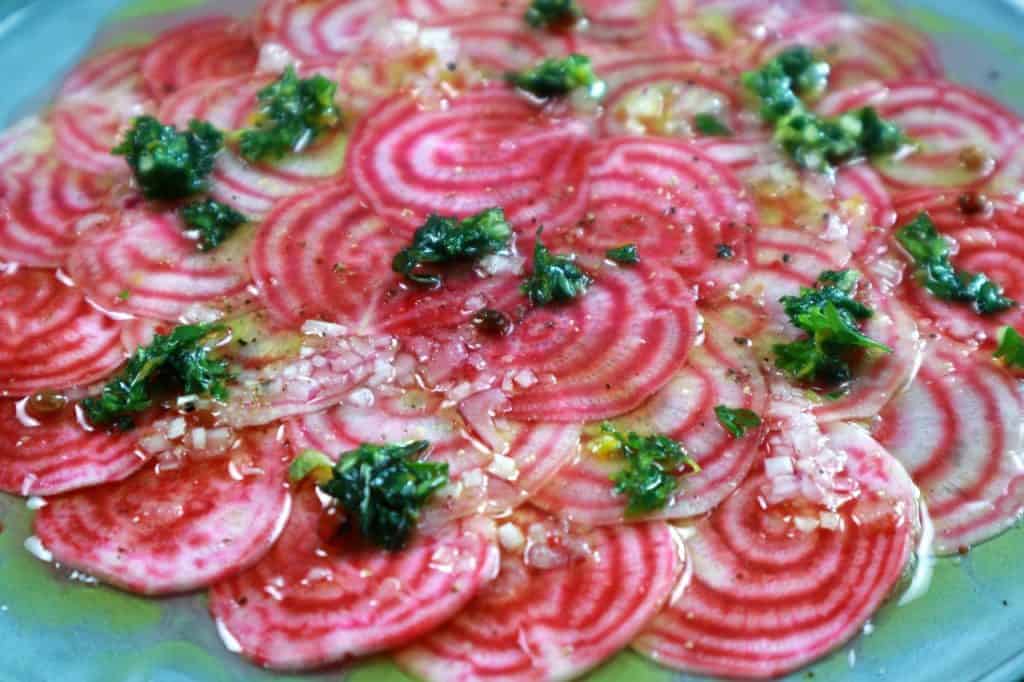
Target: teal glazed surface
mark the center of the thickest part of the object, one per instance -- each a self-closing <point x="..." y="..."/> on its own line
<point x="55" y="626"/>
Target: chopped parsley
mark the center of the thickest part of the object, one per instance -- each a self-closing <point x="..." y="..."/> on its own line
<point x="930" y="252"/>
<point x="178" y="363"/>
<point x="653" y="465"/>
<point x="554" y="277"/>
<point x="1011" y="347"/>
<point x="381" y="487"/>
<point x="444" y="239"/>
<point x="169" y="163"/>
<point x="292" y="113"/>
<point x="214" y="222"/>
<point x="831" y="317"/>
<point x="724" y="251"/>
<point x="625" y="254"/>
<point x="556" y="77"/>
<point x="736" y="420"/>
<point x="711" y="126"/>
<point x="552" y="13"/>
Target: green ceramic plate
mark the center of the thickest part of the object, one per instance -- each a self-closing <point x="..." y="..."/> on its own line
<point x="54" y="626"/>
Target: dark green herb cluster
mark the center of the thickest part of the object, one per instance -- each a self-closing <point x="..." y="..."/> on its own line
<point x="816" y="142"/>
<point x="831" y="317"/>
<point x="292" y="113"/>
<point x="1011" y="347"/>
<point x="446" y="239"/>
<point x="554" y="277"/>
<point x="168" y="163"/>
<point x="555" y="77"/>
<point x="214" y="221"/>
<point x="936" y="273"/>
<point x="381" y="487"/>
<point x="710" y="125"/>
<point x="178" y="363"/>
<point x="551" y="13"/>
<point x="736" y="420"/>
<point x="626" y="254"/>
<point x="653" y="465"/>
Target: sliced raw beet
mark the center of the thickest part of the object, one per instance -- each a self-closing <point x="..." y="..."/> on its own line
<point x="211" y="47"/>
<point x="500" y="41"/>
<point x="168" y="530"/>
<point x="957" y="431"/>
<point x="1008" y="180"/>
<point x="679" y="207"/>
<point x="722" y="371"/>
<point x="50" y="337"/>
<point x="36" y="228"/>
<point x="489" y="147"/>
<point x="318" y="29"/>
<point x="612" y="20"/>
<point x="441" y="10"/>
<point x="321" y="597"/>
<point x="142" y="262"/>
<point x="86" y="130"/>
<point x="776" y="586"/>
<point x="22" y="146"/>
<point x="51" y="453"/>
<point x="990" y="241"/>
<point x="559" y="607"/>
<point x="112" y="72"/>
<point x="961" y="134"/>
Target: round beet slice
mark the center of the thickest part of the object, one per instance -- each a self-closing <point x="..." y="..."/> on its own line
<point x="319" y="598"/>
<point x="776" y="586"/>
<point x="169" y="530"/>
<point x="86" y="130"/>
<point x="211" y="47"/>
<point x="111" y="72"/>
<point x="22" y="146"/>
<point x="444" y="10"/>
<point x="563" y="603"/>
<point x="318" y="29"/>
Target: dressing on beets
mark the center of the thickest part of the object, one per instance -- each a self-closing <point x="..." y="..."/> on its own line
<point x="394" y="325"/>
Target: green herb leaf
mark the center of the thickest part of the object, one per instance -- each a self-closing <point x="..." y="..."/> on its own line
<point x="930" y="252"/>
<point x="556" y="77"/>
<point x="1011" y="347"/>
<point x="653" y="465"/>
<point x="311" y="462"/>
<point x="178" y="363"/>
<point x="383" y="487"/>
<point x="711" y="126"/>
<point x="551" y="13"/>
<point x="554" y="277"/>
<point x="292" y="113"/>
<point x="736" y="420"/>
<point x="445" y="239"/>
<point x="625" y="254"/>
<point x="168" y="163"/>
<point x="214" y="221"/>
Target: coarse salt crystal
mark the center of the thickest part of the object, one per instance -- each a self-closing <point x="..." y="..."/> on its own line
<point x="504" y="467"/>
<point x="511" y="537"/>
<point x="778" y="466"/>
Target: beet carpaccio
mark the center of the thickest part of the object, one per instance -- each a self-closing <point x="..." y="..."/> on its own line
<point x="501" y="337"/>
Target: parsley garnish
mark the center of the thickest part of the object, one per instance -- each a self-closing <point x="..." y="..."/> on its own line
<point x="711" y="126"/>
<point x="830" y="316"/>
<point x="168" y="163"/>
<point x="554" y="77"/>
<point x="1011" y="347"/>
<point x="178" y="363"/>
<point x="930" y="252"/>
<point x="214" y="221"/>
<point x="444" y="239"/>
<point x="549" y="13"/>
<point x="653" y="464"/>
<point x="554" y="277"/>
<point x="625" y="254"/>
<point x="381" y="487"/>
<point x="736" y="420"/>
<point x="292" y="113"/>
<point x="724" y="251"/>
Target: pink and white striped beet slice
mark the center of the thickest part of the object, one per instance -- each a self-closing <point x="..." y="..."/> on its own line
<point x="36" y="226"/>
<point x="775" y="587"/>
<point x="47" y="454"/>
<point x="1007" y="180"/>
<point x="211" y="47"/>
<point x="319" y="29"/>
<point x="171" y="530"/>
<point x="23" y="144"/>
<point x="489" y="147"/>
<point x="50" y="337"/>
<point x="722" y="371"/>
<point x="604" y="353"/>
<point x="113" y="72"/>
<point x="86" y="130"/>
<point x="990" y="242"/>
<point x="611" y="20"/>
<point x="948" y="122"/>
<point x="141" y="262"/>
<point x="859" y="48"/>
<point x="677" y="205"/>
<point x="557" y="620"/>
<point x="442" y="10"/>
<point x="501" y="41"/>
<point x="320" y="598"/>
<point x="957" y="431"/>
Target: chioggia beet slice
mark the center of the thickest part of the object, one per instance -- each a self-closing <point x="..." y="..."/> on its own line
<point x="50" y="337"/>
<point x="320" y="597"/>
<point x="500" y="41"/>
<point x="318" y="29"/>
<point x="442" y="10"/>
<point x="957" y="431"/>
<point x="779" y="579"/>
<point x="564" y="601"/>
<point x="719" y="372"/>
<point x="22" y="147"/>
<point x="176" y="526"/>
<point x="46" y="449"/>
